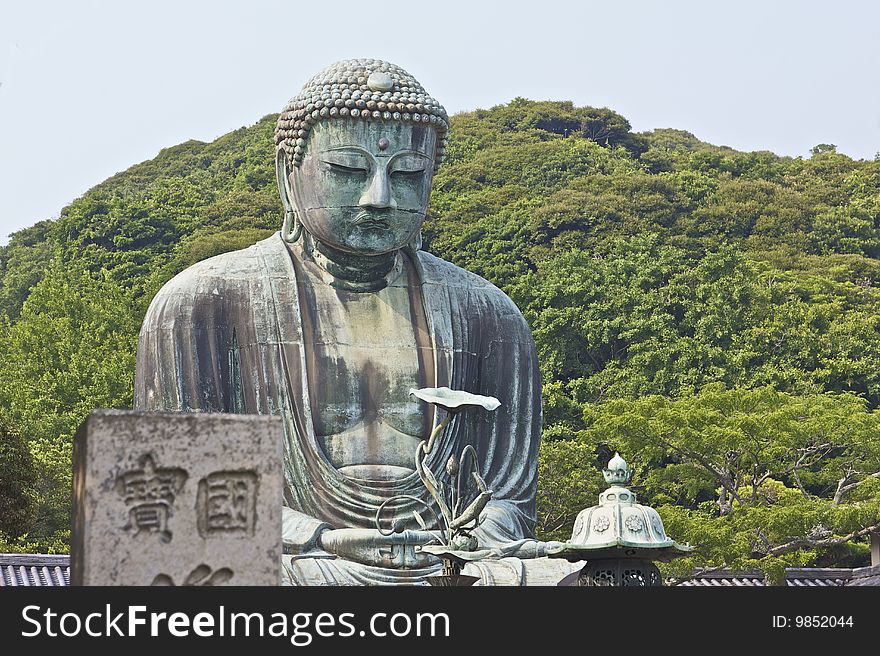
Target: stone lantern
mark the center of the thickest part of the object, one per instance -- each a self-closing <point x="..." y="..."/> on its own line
<point x="619" y="539"/>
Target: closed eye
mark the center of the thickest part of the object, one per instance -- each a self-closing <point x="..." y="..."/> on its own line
<point x="409" y="165"/>
<point x="346" y="162"/>
<point x="407" y="172"/>
<point x="343" y="168"/>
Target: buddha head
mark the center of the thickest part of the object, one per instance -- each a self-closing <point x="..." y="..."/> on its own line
<point x="356" y="151"/>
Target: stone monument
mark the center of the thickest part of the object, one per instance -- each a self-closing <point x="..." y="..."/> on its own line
<point x="330" y="322"/>
<point x="176" y="499"/>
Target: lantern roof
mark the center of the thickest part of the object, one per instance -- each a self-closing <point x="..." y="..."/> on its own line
<point x="619" y="527"/>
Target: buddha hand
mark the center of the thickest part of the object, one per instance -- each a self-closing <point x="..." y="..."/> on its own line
<point x="369" y="547"/>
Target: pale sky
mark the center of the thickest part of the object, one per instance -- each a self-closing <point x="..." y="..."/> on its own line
<point x="88" y="88"/>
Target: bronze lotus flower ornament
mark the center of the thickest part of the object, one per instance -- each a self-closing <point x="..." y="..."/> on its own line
<point x="456" y="519"/>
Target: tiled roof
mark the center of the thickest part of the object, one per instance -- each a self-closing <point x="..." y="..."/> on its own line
<point x="866" y="576"/>
<point x="825" y="577"/>
<point x="818" y="577"/>
<point x="34" y="569"/>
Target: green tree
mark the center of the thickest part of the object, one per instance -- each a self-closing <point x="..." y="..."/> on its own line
<point x="570" y="480"/>
<point x="823" y="148"/>
<point x="18" y="478"/>
<point x="754" y="478"/>
<point x="23" y="262"/>
<point x="72" y="350"/>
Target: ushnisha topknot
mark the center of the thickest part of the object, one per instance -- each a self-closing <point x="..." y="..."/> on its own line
<point x="360" y="89"/>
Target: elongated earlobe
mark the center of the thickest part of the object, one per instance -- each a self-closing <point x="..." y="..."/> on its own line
<point x="291" y="228"/>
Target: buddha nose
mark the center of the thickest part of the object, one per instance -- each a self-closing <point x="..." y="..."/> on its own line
<point x="378" y="195"/>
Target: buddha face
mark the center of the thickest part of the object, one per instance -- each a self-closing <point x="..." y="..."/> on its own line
<point x="363" y="186"/>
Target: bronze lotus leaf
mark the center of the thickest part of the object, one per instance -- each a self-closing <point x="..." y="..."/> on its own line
<point x="454" y="400"/>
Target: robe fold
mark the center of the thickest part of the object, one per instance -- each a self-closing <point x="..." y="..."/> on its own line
<point x="226" y="335"/>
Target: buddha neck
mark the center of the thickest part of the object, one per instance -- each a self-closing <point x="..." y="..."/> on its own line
<point x="353" y="272"/>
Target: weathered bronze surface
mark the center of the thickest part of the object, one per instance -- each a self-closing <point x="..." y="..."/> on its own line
<point x="330" y="322"/>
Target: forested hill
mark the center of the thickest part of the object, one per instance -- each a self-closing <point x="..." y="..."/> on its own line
<point x="664" y="278"/>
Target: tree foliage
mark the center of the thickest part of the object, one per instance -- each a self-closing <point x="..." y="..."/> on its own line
<point x="18" y="478"/>
<point x="71" y="350"/>
<point x="754" y="477"/>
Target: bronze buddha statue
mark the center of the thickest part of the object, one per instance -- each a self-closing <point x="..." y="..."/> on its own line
<point x="331" y="321"/>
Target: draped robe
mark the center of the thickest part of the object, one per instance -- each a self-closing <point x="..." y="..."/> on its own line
<point x="226" y="335"/>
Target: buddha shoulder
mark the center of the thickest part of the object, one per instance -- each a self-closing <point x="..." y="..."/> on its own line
<point x="485" y="297"/>
<point x="226" y="279"/>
